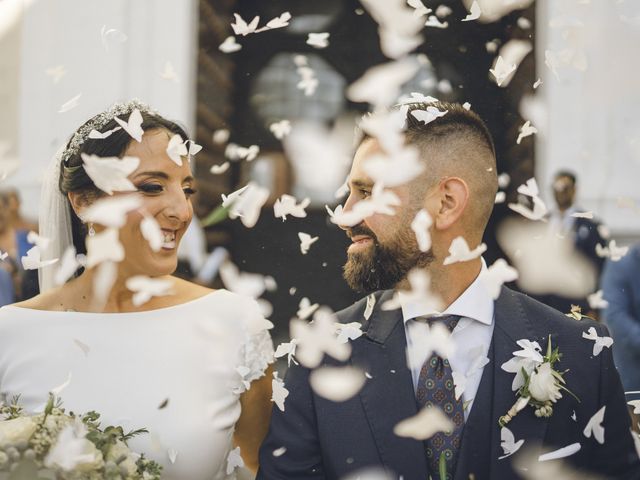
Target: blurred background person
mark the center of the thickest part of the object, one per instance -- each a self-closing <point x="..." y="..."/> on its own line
<point x="14" y="240"/>
<point x="570" y="221"/>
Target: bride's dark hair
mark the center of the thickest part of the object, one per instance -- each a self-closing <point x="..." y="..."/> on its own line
<point x="73" y="178"/>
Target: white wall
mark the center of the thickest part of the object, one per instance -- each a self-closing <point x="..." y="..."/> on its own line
<point x="590" y="117"/>
<point x="68" y="33"/>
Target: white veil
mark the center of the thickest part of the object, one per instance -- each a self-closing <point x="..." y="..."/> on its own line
<point x="54" y="221"/>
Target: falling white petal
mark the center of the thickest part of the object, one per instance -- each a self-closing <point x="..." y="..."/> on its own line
<point x="70" y="104"/>
<point x="111" y="35"/>
<point x="152" y="232"/>
<point x="133" y="125"/>
<point x="318" y="40"/>
<point x="221" y="136"/>
<point x="229" y="45"/>
<point x="68" y="266"/>
<point x="459" y="251"/>
<point x="176" y="149"/>
<point x="337" y="384"/>
<point x="348" y="331"/>
<point x="111" y="211"/>
<point x="241" y="27"/>
<point x="32" y="260"/>
<point x="596" y="300"/>
<point x="508" y="443"/>
<point x="474" y="12"/>
<point x="56" y="391"/>
<point x="56" y="73"/>
<point x="287" y="205"/>
<point x="497" y="275"/>
<point x="420" y="226"/>
<point x="279" y="392"/>
<point x="220" y="169"/>
<point x="317" y="339"/>
<point x="526" y="130"/>
<point x="145" y="288"/>
<point x="501" y="70"/>
<point x="234" y="461"/>
<point x="306" y="241"/>
<point x="599" y="342"/>
<point x="94" y="134"/>
<point x="560" y="453"/>
<point x="104" y="247"/>
<point x="110" y="174"/>
<point x="426" y="423"/>
<point x="169" y="72"/>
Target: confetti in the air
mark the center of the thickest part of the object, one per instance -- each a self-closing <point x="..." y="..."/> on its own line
<point x="95" y="134"/>
<point x="169" y="72"/>
<point x="420" y="226"/>
<point x="176" y="149"/>
<point x="56" y="73"/>
<point x="58" y="390"/>
<point x="599" y="342"/>
<point x="380" y="85"/>
<point x="280" y="393"/>
<point x="537" y="83"/>
<point x="104" y="247"/>
<point x="111" y="211"/>
<point x="428" y="115"/>
<point x="317" y="339"/>
<point x="288" y="349"/>
<point x="426" y="423"/>
<point x="318" y="40"/>
<point x="70" y="104"/>
<point x="152" y="232"/>
<point x="110" y="174"/>
<point x="111" y="35"/>
<point x="288" y="205"/>
<point x="501" y="70"/>
<point x="497" y="275"/>
<point x="337" y="384"/>
<point x="234" y="461"/>
<point x="237" y="152"/>
<point x="246" y="203"/>
<point x="229" y="45"/>
<point x="306" y="241"/>
<point x="459" y="251"/>
<point x="611" y="251"/>
<point x="434" y="21"/>
<point x="381" y="201"/>
<point x="221" y="136"/>
<point x="594" y="426"/>
<point x="508" y="443"/>
<point x="560" y="453"/>
<point x="348" y="331"/>
<point x="474" y="12"/>
<point x="597" y="301"/>
<point x="145" y="288"/>
<point x="220" y="169"/>
<point x="419" y="292"/>
<point x="280" y="129"/>
<point x="526" y="130"/>
<point x="68" y="266"/>
<point x="133" y="125"/>
<point x="32" y="260"/>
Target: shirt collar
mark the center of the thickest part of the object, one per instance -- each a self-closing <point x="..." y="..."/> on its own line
<point x="475" y="303"/>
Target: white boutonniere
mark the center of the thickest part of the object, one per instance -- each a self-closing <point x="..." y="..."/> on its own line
<point x="537" y="381"/>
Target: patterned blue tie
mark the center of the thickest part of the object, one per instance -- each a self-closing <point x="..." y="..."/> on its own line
<point x="436" y="388"/>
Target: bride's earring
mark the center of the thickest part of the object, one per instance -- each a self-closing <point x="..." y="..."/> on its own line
<point x="92" y="231"/>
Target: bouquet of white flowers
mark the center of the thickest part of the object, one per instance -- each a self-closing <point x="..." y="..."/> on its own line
<point x="64" y="446"/>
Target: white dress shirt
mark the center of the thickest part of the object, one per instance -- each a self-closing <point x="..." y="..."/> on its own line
<point x="471" y="337"/>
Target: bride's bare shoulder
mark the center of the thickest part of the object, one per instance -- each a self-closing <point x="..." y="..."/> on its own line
<point x="188" y="290"/>
<point x="54" y="299"/>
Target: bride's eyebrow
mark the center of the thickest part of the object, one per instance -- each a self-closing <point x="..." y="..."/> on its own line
<point x="162" y="175"/>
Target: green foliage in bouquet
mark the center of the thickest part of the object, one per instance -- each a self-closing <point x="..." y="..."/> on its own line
<point x="64" y="446"/>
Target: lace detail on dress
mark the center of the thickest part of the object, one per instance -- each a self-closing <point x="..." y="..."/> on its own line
<point x="257" y="354"/>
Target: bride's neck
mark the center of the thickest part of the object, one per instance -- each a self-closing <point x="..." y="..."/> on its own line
<point x="118" y="299"/>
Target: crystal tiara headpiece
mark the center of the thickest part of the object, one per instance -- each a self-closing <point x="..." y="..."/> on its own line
<point x="98" y="122"/>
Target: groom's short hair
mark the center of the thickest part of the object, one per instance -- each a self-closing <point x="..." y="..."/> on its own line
<point x="455" y="144"/>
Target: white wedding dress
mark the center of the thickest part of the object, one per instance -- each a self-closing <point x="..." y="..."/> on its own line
<point x="176" y="371"/>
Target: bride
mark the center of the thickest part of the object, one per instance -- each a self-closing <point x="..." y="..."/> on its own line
<point x="189" y="364"/>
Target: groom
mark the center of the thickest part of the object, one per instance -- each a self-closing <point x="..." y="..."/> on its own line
<point x="322" y="439"/>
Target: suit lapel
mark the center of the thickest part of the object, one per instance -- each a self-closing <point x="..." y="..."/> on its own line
<point x="388" y="397"/>
<point x="511" y="325"/>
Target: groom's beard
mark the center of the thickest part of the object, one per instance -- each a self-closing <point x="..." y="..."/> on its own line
<point x="382" y="267"/>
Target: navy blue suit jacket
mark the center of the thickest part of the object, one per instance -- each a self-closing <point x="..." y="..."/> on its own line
<point x="328" y="440"/>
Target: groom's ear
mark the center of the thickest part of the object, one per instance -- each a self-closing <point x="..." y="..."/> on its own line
<point x="452" y="198"/>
